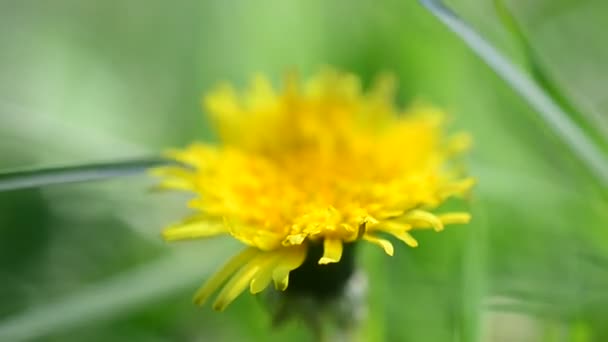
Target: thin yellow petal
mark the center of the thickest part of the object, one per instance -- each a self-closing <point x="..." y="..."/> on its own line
<point x="261" y="281"/>
<point x="196" y="155"/>
<point x="406" y="237"/>
<point x="263" y="239"/>
<point x="423" y="219"/>
<point x="194" y="229"/>
<point x="459" y="143"/>
<point x="389" y="213"/>
<point x="393" y="226"/>
<point x="398" y="230"/>
<point x="174" y="178"/>
<point x="174" y="184"/>
<point x="332" y="251"/>
<point x="263" y="277"/>
<point x="294" y="239"/>
<point x="236" y="285"/>
<point x="260" y="94"/>
<point x="455" y="218"/>
<point x="293" y="257"/>
<point x="457" y="188"/>
<point x="223" y="274"/>
<point x="385" y="244"/>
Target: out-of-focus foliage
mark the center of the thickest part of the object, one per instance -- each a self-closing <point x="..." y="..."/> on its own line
<point x="93" y="81"/>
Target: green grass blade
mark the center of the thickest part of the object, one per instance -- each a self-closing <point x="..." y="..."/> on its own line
<point x="535" y="95"/>
<point x="24" y="179"/>
<point x="118" y="296"/>
<point x="539" y="73"/>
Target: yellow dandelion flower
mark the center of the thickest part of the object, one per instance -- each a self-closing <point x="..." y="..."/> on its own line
<point x="321" y="163"/>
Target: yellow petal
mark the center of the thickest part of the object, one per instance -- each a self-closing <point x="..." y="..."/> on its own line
<point x="398" y="230"/>
<point x="384" y="214"/>
<point x="423" y="219"/>
<point x="294" y="239"/>
<point x="194" y="229"/>
<point x="393" y="226"/>
<point x="260" y="94"/>
<point x="220" y="277"/>
<point x="174" y="184"/>
<point x="406" y="237"/>
<point x="385" y="244"/>
<point x="459" y="143"/>
<point x="265" y="240"/>
<point x="458" y="188"/>
<point x="455" y="218"/>
<point x="262" y="278"/>
<point x="332" y="251"/>
<point x="174" y="178"/>
<point x="292" y="258"/>
<point x="236" y="285"/>
<point x="195" y="155"/>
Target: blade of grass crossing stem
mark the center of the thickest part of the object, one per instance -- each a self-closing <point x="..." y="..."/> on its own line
<point x="536" y="97"/>
<point x="539" y="73"/>
<point x="24" y="179"/>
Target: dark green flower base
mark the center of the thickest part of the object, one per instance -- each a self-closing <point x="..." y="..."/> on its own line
<point x="322" y="281"/>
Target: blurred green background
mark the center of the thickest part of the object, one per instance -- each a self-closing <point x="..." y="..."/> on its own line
<point x="84" y="81"/>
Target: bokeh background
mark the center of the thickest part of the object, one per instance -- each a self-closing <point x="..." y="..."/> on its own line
<point x="91" y="81"/>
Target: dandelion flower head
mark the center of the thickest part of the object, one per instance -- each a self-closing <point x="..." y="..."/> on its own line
<point x="319" y="162"/>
